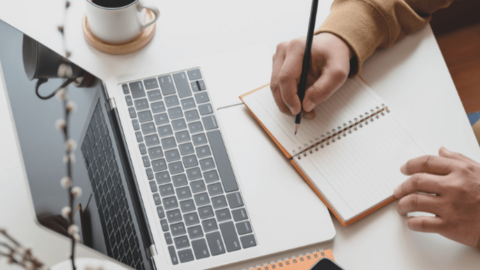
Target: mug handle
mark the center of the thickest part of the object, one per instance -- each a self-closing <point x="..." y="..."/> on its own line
<point x="152" y="8"/>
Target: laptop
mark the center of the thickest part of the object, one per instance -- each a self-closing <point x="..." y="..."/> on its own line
<point x="174" y="175"/>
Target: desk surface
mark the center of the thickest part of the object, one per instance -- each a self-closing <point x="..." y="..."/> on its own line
<point x="411" y="76"/>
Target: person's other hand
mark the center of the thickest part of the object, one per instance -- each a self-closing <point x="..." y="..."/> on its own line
<point x="455" y="181"/>
<point x="329" y="68"/>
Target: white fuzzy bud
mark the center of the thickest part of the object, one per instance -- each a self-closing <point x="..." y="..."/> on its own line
<point x="76" y="237"/>
<point x="71" y="106"/>
<point x="29" y="265"/>
<point x="76" y="192"/>
<point x="73" y="229"/>
<point x="60" y="124"/>
<point x="61" y="94"/>
<point x="70" y="157"/>
<point x="66" y="211"/>
<point x="70" y="145"/>
<point x="64" y="71"/>
<point x="66" y="182"/>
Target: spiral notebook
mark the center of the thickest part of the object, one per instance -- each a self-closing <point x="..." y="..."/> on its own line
<point x="350" y="154"/>
<point x="300" y="262"/>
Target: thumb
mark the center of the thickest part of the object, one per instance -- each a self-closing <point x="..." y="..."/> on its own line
<point x="443" y="152"/>
<point x="329" y="81"/>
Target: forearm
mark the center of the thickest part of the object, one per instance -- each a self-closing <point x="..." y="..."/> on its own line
<point x="366" y="25"/>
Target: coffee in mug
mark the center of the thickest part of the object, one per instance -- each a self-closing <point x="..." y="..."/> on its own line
<point x="113" y="3"/>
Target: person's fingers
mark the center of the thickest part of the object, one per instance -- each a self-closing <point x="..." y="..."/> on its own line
<point x="418" y="202"/>
<point x="426" y="224"/>
<point x="278" y="59"/>
<point x="419" y="182"/>
<point x="429" y="164"/>
<point x="443" y="152"/>
<point x="289" y="75"/>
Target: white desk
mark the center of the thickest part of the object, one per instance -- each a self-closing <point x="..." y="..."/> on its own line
<point x="411" y="76"/>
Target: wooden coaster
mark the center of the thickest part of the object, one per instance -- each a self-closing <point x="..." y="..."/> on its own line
<point x="125" y="48"/>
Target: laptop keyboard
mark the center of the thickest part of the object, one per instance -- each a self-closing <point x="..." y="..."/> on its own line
<point x="118" y="229"/>
<point x="199" y="204"/>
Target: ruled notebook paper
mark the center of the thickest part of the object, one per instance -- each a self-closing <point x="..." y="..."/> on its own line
<point x="351" y="100"/>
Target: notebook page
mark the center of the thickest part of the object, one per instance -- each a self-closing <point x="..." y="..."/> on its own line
<point x="348" y="102"/>
<point x="360" y="170"/>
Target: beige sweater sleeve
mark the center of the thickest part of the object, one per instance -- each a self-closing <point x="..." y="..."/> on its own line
<point x="367" y="25"/>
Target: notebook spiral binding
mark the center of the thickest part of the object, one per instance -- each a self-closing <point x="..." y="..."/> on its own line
<point x="280" y="263"/>
<point x="340" y="131"/>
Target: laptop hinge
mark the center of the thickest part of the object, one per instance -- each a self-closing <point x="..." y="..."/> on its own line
<point x="112" y="103"/>
<point x="151" y="251"/>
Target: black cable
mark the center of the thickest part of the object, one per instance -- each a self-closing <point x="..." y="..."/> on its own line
<point x="43" y="80"/>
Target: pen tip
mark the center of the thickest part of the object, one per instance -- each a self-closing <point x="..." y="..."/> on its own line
<point x="296" y="129"/>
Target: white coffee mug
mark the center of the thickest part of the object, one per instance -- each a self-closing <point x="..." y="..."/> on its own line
<point x="121" y="24"/>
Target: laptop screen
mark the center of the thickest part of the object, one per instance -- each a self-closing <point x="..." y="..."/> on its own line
<point x="105" y="212"/>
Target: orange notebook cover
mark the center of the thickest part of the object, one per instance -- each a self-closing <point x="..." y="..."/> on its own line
<point x="300" y="262"/>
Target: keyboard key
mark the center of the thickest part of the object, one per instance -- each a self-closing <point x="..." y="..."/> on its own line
<point x="234" y="200"/>
<point x="145" y="116"/>
<point x="156" y="199"/>
<point x="166" y="190"/>
<point x="182" y="136"/>
<point x="195" y="232"/>
<point x="154" y="95"/>
<point x="223" y="162"/>
<point x="209" y="225"/>
<point x="219" y="202"/>
<point x="230" y="236"/>
<point x="139" y="136"/>
<point x="202" y="199"/>
<point x="160" y="212"/>
<point x="169" y="143"/>
<point x="146" y="161"/>
<point x="164" y="225"/>
<point x="184" y="193"/>
<point x="243" y="228"/>
<point x="194" y="74"/>
<point x="215" y="189"/>
<point x="248" y="241"/>
<point x="190" y="161"/>
<point x="187" y="206"/>
<point x="174" y="216"/>
<point x="194" y="174"/>
<point x="142" y="148"/>
<point x="149" y="174"/>
<point x="168" y="238"/>
<point x="210" y="122"/>
<point x="195" y="87"/>
<point x="148" y="128"/>
<point x="136" y="125"/>
<point x="141" y="104"/>
<point x="185" y="255"/>
<point x="192" y="115"/>
<point x="153" y="186"/>
<point x="210" y="176"/>
<point x="161" y="119"/>
<point x="155" y="152"/>
<point x="201" y="85"/>
<point x="132" y="112"/>
<point x="171" y="101"/>
<point x="159" y="165"/>
<point x="137" y="90"/>
<point x="215" y="243"/>
<point x="203" y="151"/>
<point x="195" y="127"/>
<point x="158" y="107"/>
<point x="188" y="104"/>
<point x="175" y="113"/>
<point x="191" y="219"/>
<point x="202" y="97"/>
<point x="223" y="215"/>
<point x="205" y="109"/>
<point x="199" y="139"/>
<point x="181" y="242"/>
<point x="170" y="203"/>
<point x="172" y="155"/>
<point x="239" y="214"/>
<point x="179" y="180"/>
<point x="151" y="84"/>
<point x="207" y="164"/>
<point x="125" y="89"/>
<point x="197" y="186"/>
<point x="179" y="124"/>
<point x="165" y="131"/>
<point x="129" y="101"/>
<point x="177" y="229"/>
<point x="175" y="167"/>
<point x="166" y="84"/>
<point x="183" y="86"/>
<point x="152" y="140"/>
<point x="186" y="148"/>
<point x="162" y="177"/>
<point x="173" y="255"/>
<point x="205" y="212"/>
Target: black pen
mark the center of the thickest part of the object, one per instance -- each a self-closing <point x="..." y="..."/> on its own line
<point x="306" y="62"/>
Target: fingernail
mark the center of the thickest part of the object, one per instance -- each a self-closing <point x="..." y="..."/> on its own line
<point x="402" y="169"/>
<point x="291" y="109"/>
<point x="396" y="191"/>
<point x="309" y="105"/>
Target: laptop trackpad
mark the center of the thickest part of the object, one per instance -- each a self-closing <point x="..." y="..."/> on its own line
<point x="280" y="203"/>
